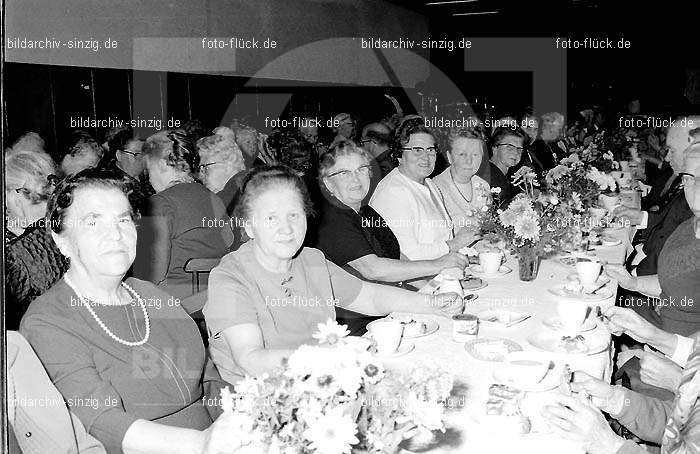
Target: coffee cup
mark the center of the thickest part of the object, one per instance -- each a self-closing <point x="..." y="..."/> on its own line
<point x="526" y="368"/>
<point x="588" y="271"/>
<point x="387" y="335"/>
<point x="572" y="314"/>
<point x="490" y="262"/>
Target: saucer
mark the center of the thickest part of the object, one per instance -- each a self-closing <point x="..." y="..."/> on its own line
<point x="573" y="277"/>
<point x="550" y="381"/>
<point x="561" y="291"/>
<point x="555" y="324"/>
<point x="403" y="349"/>
<point x="430" y="325"/>
<point x="502" y="271"/>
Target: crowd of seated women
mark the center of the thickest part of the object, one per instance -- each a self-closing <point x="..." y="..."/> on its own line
<point x="98" y="246"/>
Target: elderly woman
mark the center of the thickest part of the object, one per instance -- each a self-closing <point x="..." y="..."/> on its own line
<point x="221" y="165"/>
<point x="551" y="149"/>
<point x="676" y="282"/>
<point x="32" y="261"/>
<point x="129" y="363"/>
<point x="673" y="424"/>
<point x="83" y="153"/>
<point x="507" y="149"/>
<point x="355" y="237"/>
<point x="462" y="190"/>
<point x="183" y="219"/>
<point x="410" y="203"/>
<point x="267" y="298"/>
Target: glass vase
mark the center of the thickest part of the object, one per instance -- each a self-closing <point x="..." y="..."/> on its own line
<point x="528" y="263"/>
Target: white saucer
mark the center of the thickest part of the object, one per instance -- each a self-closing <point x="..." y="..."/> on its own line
<point x="600" y="281"/>
<point x="555" y="324"/>
<point x="560" y="290"/>
<point x="431" y="326"/>
<point x="502" y="271"/>
<point x="404" y="349"/>
<point x="547" y="340"/>
<point x="550" y="381"/>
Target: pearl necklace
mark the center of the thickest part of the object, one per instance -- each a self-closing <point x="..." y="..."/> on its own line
<point x="101" y="323"/>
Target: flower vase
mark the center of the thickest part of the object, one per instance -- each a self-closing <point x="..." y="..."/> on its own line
<point x="528" y="263"/>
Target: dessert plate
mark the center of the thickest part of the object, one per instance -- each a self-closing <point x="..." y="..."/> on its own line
<point x="502" y="271"/>
<point x="492" y="349"/>
<point x="551" y="341"/>
<point x="573" y="277"/>
<point x="502" y="317"/>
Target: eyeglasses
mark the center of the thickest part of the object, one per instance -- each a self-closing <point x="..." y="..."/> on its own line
<point x="511" y="147"/>
<point x="420" y="151"/>
<point x="365" y="141"/>
<point x="131" y="153"/>
<point x="361" y="171"/>
<point x="689" y="180"/>
<point x="204" y="167"/>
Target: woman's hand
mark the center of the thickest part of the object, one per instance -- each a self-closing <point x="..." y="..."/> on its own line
<point x="657" y="370"/>
<point x="226" y="435"/>
<point x="582" y="423"/>
<point x="604" y="396"/>
<point x="464" y="237"/>
<point x="623" y="277"/>
<point x="624" y="320"/>
<point x="448" y="304"/>
<point x="451" y="260"/>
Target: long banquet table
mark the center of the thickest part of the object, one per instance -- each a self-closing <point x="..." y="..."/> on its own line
<point x="465" y="432"/>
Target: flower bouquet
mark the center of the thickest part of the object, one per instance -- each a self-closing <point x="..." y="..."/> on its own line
<point x="336" y="398"/>
<point x="535" y="223"/>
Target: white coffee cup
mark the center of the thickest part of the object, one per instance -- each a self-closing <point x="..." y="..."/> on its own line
<point x="387" y="335"/>
<point x="588" y="271"/>
<point x="526" y="368"/>
<point x="572" y="314"/>
<point x="490" y="262"/>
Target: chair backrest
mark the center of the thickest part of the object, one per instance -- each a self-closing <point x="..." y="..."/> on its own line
<point x="197" y="266"/>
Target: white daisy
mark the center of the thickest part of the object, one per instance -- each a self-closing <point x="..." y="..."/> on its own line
<point x="332" y="433"/>
<point x="330" y="332"/>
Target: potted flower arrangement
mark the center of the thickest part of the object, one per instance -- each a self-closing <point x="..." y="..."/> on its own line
<point x="535" y="223"/>
<point x="336" y="398"/>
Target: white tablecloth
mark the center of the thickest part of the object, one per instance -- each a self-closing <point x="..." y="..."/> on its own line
<point x="465" y="433"/>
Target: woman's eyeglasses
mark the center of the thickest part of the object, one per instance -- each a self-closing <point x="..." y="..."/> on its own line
<point x="204" y="167"/>
<point x="511" y="147"/>
<point x="420" y="151"/>
<point x="361" y="171"/>
<point x="688" y="179"/>
<point x="131" y="153"/>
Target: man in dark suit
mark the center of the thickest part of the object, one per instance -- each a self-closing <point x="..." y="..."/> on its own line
<point x="656" y="226"/>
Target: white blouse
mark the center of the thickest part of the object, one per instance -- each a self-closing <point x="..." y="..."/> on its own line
<point x="413" y="212"/>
